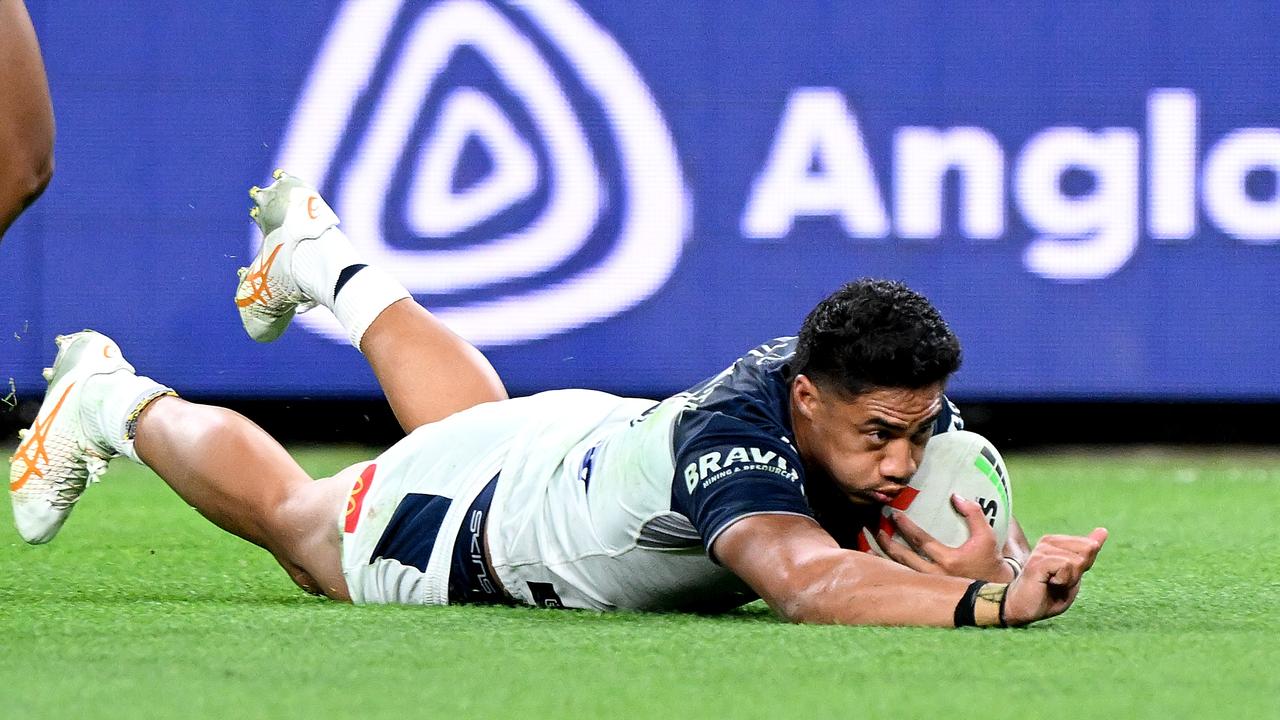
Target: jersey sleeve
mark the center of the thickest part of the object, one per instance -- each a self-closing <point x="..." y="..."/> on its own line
<point x="728" y="469"/>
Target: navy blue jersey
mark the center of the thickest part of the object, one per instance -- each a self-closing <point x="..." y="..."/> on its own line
<point x="734" y="447"/>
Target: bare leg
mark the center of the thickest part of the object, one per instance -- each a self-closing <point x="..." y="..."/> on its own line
<point x="426" y="371"/>
<point x="242" y="480"/>
<point x="26" y="115"/>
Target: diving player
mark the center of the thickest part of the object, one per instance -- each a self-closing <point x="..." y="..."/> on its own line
<point x="26" y="115"/>
<point x="736" y="489"/>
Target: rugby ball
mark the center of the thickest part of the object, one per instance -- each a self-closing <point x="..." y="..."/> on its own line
<point x="958" y="462"/>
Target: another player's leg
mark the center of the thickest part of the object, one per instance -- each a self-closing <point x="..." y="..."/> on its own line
<point x="426" y="371"/>
<point x="219" y="462"/>
<point x="26" y="115"/>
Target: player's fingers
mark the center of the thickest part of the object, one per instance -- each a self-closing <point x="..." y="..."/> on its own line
<point x="919" y="539"/>
<point x="1086" y="547"/>
<point x="1065" y="575"/>
<point x="1054" y="566"/>
<point x="903" y="555"/>
<point x="1072" y="543"/>
<point x="973" y="516"/>
<point x="1061" y="568"/>
<point x="1046" y="561"/>
<point x="1060" y="539"/>
<point x="1099" y="538"/>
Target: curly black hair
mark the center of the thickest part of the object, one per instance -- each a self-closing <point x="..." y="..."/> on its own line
<point x="875" y="333"/>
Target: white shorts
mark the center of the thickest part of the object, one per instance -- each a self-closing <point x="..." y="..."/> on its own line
<point x="418" y="517"/>
<point x="409" y="518"/>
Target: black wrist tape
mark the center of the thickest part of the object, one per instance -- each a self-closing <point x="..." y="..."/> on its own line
<point x="964" y="609"/>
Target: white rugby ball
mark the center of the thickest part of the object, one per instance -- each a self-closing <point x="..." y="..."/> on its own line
<point x="958" y="462"/>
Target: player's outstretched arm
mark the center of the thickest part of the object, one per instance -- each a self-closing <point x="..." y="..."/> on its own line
<point x="26" y="115"/>
<point x="800" y="571"/>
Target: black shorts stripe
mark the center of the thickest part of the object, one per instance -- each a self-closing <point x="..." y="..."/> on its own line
<point x="412" y="531"/>
<point x="470" y="577"/>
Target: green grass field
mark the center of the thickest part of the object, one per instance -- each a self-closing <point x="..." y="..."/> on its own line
<point x="143" y="609"/>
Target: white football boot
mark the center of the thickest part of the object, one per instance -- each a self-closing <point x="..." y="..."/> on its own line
<point x="287" y="211"/>
<point x="58" y="456"/>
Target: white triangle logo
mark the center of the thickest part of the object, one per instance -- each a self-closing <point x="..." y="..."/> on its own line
<point x="646" y="240"/>
<point x="434" y="208"/>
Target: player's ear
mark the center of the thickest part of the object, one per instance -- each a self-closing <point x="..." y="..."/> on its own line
<point x="805" y="396"/>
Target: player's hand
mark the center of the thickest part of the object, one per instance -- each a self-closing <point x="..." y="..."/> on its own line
<point x="1051" y="579"/>
<point x="978" y="557"/>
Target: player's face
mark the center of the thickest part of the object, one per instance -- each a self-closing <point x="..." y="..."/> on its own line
<point x="870" y="444"/>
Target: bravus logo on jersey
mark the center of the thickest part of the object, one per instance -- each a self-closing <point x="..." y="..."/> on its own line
<point x="504" y="160"/>
<point x="717" y="465"/>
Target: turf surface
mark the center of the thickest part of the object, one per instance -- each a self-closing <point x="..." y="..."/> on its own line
<point x="142" y="609"/>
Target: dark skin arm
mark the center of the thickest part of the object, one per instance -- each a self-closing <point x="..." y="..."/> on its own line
<point x="1017" y="546"/>
<point x="805" y="576"/>
<point x="26" y="115"/>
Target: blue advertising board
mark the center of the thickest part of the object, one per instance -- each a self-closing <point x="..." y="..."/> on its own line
<point x="627" y="196"/>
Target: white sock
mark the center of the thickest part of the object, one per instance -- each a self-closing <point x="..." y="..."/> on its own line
<point x="317" y="265"/>
<point x="112" y="405"/>
<point x="318" y="262"/>
<point x="370" y="291"/>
